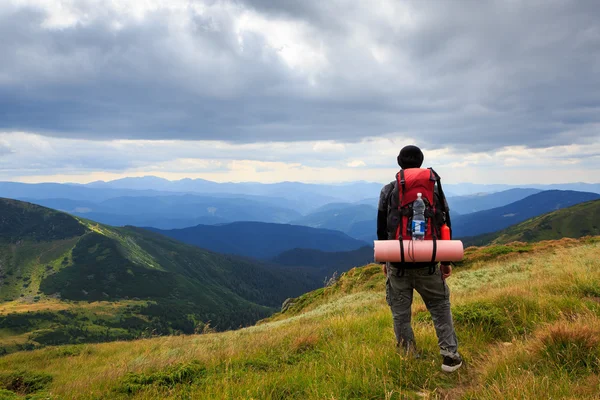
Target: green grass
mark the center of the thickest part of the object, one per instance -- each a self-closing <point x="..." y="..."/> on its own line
<point x="528" y="325"/>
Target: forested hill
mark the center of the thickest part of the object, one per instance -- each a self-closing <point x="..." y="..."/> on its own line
<point x="47" y="255"/>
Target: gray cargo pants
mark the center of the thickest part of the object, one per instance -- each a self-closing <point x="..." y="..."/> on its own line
<point x="436" y="295"/>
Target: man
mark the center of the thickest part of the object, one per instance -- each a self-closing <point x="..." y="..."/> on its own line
<point x="427" y="278"/>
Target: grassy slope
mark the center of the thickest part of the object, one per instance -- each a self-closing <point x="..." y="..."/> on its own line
<point x="573" y="222"/>
<point x="527" y="318"/>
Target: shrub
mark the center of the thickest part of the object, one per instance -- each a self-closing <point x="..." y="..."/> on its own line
<point x="68" y="351"/>
<point x="183" y="373"/>
<point x="483" y="314"/>
<point x="25" y="382"/>
<point x="588" y="287"/>
<point x="52" y="336"/>
<point x="574" y="349"/>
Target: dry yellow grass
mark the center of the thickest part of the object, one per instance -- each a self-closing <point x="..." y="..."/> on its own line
<point x="49" y="304"/>
<point x="22" y="306"/>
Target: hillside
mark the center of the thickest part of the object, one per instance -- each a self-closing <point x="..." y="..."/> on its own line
<point x="324" y="262"/>
<point x="572" y="222"/>
<point x="47" y="255"/>
<point x="502" y="217"/>
<point x="262" y="240"/>
<point x="527" y="321"/>
<point x="338" y="216"/>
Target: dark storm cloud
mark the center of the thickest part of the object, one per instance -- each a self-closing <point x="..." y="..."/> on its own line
<point x="476" y="75"/>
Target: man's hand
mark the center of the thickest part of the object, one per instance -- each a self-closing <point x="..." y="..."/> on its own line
<point x="446" y="270"/>
<point x="384" y="268"/>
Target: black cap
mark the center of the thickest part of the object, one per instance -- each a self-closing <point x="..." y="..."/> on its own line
<point x="410" y="157"/>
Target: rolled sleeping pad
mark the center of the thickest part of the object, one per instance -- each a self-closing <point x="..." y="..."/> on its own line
<point x="418" y="250"/>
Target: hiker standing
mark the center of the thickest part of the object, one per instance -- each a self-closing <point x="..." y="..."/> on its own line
<point x="394" y="222"/>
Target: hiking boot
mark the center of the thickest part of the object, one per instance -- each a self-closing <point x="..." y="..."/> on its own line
<point x="451" y="364"/>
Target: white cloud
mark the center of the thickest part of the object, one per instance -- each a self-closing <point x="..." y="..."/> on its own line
<point x="33" y="158"/>
<point x="292" y="40"/>
<point x="356" y="163"/>
<point x="328" y="147"/>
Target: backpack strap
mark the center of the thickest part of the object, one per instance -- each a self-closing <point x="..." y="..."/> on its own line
<point x="403" y="184"/>
<point x="401" y="249"/>
<point x="443" y="207"/>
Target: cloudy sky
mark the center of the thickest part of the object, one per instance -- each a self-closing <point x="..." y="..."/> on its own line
<point x="306" y="90"/>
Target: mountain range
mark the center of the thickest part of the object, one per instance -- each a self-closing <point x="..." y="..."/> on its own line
<point x="262" y="240"/>
<point x="348" y="192"/>
<point x="502" y="217"/>
<point x="572" y="222"/>
<point x="100" y="283"/>
<point x="299" y="197"/>
<point x="172" y="211"/>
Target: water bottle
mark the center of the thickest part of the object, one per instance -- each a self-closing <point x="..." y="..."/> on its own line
<point x="418" y="220"/>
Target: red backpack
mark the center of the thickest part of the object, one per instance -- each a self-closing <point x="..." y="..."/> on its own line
<point x="410" y="182"/>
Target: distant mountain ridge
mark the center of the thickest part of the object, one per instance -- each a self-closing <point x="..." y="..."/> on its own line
<point x="172" y="211"/>
<point x="300" y="202"/>
<point x="116" y="203"/>
<point x="347" y="192"/>
<point x="502" y="217"/>
<point x="485" y="201"/>
<point x="462" y="189"/>
<point x="307" y="194"/>
<point x="572" y="222"/>
<point x="262" y="240"/>
<point x="338" y="216"/>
